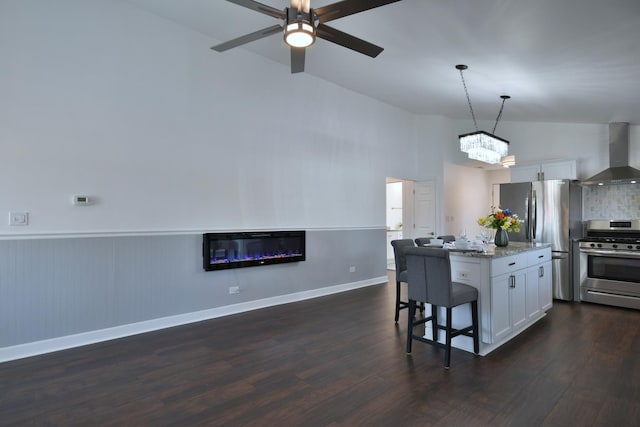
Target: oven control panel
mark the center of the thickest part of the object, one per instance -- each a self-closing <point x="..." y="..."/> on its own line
<point x="612" y="235"/>
<point x="624" y="246"/>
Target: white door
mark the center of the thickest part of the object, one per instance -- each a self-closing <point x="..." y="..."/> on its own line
<point x="424" y="209"/>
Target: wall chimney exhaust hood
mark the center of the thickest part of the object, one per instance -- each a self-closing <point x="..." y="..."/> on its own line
<point x="619" y="171"/>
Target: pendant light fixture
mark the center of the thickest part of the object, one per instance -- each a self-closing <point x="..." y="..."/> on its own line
<point x="480" y="145"/>
<point x="508" y="161"/>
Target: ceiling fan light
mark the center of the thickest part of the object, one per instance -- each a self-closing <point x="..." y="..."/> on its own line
<point x="299" y="34"/>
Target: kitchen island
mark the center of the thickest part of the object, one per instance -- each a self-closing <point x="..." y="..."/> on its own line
<point x="514" y="291"/>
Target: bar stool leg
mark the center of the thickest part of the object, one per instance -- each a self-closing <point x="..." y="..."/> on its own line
<point x="447" y="349"/>
<point x="397" y="301"/>
<point x="476" y="333"/>
<point x="434" y="321"/>
<point x="412" y="312"/>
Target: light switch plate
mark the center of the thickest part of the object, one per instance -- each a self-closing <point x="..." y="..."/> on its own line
<point x="18" y="218"/>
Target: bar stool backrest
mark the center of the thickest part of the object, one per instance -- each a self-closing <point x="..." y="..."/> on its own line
<point x="429" y="275"/>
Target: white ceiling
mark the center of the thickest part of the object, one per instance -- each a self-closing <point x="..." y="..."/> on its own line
<point x="560" y="60"/>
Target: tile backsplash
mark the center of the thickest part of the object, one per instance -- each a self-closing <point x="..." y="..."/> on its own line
<point x="611" y="202"/>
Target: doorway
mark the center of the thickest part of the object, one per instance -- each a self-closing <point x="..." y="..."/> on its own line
<point x="411" y="209"/>
<point x="394" y="214"/>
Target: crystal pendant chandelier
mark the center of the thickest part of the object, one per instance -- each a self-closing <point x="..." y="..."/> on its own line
<point x="484" y="146"/>
<point x="480" y="145"/>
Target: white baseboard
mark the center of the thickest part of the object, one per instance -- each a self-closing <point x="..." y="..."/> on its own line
<point x="70" y="341"/>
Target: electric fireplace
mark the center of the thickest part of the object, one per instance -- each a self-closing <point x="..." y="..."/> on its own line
<point x="221" y="251"/>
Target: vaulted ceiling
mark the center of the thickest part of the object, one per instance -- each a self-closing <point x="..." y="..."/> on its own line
<point x="560" y="60"/>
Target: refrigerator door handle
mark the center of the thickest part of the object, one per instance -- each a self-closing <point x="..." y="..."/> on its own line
<point x="527" y="207"/>
<point x="534" y="221"/>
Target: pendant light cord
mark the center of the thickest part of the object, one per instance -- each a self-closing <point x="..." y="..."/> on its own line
<point x="504" y="98"/>
<point x="461" y="68"/>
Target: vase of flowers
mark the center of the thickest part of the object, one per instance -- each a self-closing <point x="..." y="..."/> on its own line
<point x="503" y="221"/>
<point x="502" y="238"/>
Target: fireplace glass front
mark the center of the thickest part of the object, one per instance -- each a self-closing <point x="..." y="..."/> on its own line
<point x="247" y="249"/>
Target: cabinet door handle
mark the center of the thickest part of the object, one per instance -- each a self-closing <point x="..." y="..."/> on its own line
<point x="540" y="256"/>
<point x="512" y="263"/>
<point x="512" y="281"/>
<point x="541" y="271"/>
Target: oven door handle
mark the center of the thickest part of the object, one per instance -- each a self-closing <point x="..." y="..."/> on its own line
<point x="609" y="294"/>
<point x="614" y="254"/>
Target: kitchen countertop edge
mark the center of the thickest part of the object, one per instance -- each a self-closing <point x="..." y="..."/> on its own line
<point x="514" y="248"/>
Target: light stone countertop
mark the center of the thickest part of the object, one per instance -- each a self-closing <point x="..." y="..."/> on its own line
<point x="493" y="251"/>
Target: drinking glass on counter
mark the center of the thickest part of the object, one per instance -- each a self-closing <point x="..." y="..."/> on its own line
<point x="486" y="238"/>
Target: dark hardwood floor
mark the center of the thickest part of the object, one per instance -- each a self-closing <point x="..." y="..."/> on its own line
<point x="336" y="361"/>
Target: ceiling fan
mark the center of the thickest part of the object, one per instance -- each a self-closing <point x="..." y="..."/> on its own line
<point x="302" y="24"/>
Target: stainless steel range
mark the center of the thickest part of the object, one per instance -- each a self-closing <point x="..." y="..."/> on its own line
<point x="610" y="263"/>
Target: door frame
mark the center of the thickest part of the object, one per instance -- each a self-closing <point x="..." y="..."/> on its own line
<point x="408" y="206"/>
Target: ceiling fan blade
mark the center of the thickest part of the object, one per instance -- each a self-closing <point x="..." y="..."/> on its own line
<point x="347" y="7"/>
<point x="347" y="40"/>
<point x="248" y="38"/>
<point x="297" y="59"/>
<point x="259" y="7"/>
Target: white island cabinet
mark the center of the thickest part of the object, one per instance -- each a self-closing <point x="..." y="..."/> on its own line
<point x="514" y="288"/>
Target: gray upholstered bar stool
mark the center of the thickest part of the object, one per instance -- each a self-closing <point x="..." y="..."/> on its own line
<point x="429" y="278"/>
<point x="399" y="247"/>
<point x="422" y="241"/>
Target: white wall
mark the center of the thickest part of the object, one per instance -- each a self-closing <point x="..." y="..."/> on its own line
<point x="467" y="198"/>
<point x="101" y="99"/>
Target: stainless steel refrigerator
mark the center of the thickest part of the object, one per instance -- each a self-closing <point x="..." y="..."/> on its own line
<point x="552" y="213"/>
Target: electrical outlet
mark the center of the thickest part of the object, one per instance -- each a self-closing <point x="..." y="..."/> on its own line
<point x="352" y="269"/>
<point x="234" y="289"/>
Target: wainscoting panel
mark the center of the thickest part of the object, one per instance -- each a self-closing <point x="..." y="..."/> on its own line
<point x="56" y="287"/>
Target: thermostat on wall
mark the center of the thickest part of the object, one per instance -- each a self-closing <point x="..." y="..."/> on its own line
<point x="81" y="200"/>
